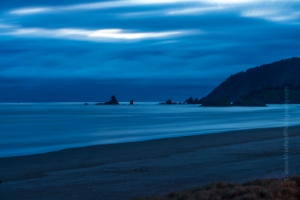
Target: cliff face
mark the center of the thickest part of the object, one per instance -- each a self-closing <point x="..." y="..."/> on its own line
<point x="277" y="74"/>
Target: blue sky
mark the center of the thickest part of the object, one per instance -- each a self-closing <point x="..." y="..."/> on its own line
<point x="142" y="49"/>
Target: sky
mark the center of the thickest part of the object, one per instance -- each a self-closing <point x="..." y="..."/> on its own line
<point x="146" y="50"/>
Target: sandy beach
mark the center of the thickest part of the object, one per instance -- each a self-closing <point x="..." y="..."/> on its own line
<point x="124" y="171"/>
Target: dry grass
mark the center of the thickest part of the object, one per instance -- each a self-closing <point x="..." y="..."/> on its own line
<point x="273" y="189"/>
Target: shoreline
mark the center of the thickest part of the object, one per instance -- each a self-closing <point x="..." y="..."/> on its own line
<point x="146" y="140"/>
<point x="159" y="166"/>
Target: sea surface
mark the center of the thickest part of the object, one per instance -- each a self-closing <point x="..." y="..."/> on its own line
<point x="32" y="128"/>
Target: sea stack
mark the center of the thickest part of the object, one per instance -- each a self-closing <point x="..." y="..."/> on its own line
<point x="131" y="102"/>
<point x="113" y="101"/>
<point x="192" y="101"/>
<point x="168" y="102"/>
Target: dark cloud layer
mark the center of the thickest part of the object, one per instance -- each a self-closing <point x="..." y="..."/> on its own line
<point x="94" y="90"/>
<point x="71" y="51"/>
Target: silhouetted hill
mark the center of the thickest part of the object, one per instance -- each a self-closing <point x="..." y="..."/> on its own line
<point x="217" y="102"/>
<point x="274" y="75"/>
<point x="271" y="96"/>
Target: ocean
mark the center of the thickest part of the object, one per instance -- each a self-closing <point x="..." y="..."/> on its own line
<point x="32" y="128"/>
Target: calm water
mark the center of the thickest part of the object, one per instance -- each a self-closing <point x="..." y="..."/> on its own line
<point x="42" y="127"/>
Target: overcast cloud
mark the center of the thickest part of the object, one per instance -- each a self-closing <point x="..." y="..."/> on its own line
<point x="168" y="48"/>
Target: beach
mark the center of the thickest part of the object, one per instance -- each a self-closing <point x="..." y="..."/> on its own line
<point x="136" y="169"/>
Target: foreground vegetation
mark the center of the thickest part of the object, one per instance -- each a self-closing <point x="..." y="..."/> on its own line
<point x="273" y="189"/>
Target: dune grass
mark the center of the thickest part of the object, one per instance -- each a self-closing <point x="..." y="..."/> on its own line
<point x="273" y="189"/>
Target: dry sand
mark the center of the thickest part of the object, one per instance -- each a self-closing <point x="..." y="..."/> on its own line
<point x="123" y="171"/>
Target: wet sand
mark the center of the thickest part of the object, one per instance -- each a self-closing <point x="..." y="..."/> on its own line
<point x="124" y="171"/>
